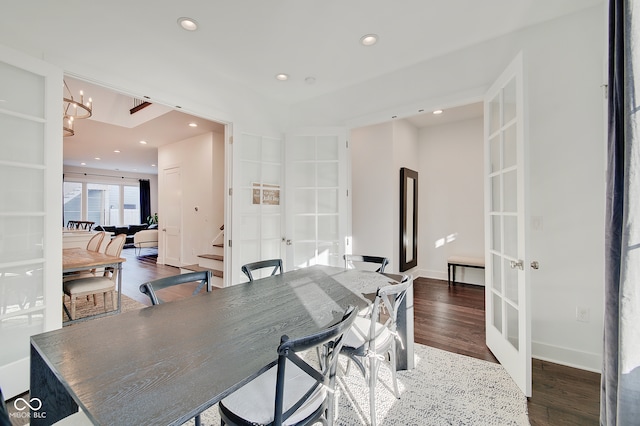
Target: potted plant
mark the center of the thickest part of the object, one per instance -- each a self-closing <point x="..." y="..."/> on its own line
<point x="153" y="219"/>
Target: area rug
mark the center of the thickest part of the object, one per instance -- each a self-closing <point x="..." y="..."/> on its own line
<point x="443" y="389"/>
<point x="85" y="308"/>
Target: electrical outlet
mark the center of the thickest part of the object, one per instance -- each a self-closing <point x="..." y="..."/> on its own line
<point x="582" y="314"/>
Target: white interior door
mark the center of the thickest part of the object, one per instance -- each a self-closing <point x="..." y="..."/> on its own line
<point x="258" y="198"/>
<point x="508" y="317"/>
<point x="317" y="218"/>
<point x="30" y="210"/>
<point x="171" y="218"/>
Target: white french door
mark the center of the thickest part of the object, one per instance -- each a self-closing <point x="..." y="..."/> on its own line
<point x="30" y="210"/>
<point x="316" y="170"/>
<point x="508" y="314"/>
<point x="258" y="199"/>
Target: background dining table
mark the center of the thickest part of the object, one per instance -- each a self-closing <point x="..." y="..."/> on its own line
<point x="164" y="364"/>
<point x="80" y="259"/>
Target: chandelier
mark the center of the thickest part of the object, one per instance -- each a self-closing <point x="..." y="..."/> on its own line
<point x="73" y="109"/>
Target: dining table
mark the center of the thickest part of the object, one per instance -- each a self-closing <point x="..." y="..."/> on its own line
<point x="77" y="260"/>
<point x="164" y="364"/>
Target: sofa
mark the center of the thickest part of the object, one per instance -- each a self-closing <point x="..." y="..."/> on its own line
<point x="145" y="238"/>
<point x="129" y="231"/>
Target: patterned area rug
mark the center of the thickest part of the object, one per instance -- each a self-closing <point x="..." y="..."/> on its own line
<point x="85" y="308"/>
<point x="443" y="389"/>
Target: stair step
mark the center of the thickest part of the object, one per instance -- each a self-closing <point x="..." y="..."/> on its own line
<point x="211" y="256"/>
<point x="198" y="268"/>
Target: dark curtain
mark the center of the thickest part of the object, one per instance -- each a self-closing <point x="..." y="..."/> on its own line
<point x="620" y="387"/>
<point x="145" y="200"/>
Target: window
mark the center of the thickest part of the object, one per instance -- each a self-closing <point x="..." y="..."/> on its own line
<point x="102" y="203"/>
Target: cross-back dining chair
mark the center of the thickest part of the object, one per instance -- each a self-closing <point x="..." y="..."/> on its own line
<point x="352" y="260"/>
<point x="292" y="392"/>
<point x="370" y="341"/>
<point x="275" y="264"/>
<point x="92" y="285"/>
<point x="202" y="277"/>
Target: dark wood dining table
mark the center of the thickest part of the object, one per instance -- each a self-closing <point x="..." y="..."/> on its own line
<point x="80" y="259"/>
<point x="163" y="364"/>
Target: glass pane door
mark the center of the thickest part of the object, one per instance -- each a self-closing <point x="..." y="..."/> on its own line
<point x="30" y="211"/>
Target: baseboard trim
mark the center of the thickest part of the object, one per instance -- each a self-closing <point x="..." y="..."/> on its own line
<point x="568" y="357"/>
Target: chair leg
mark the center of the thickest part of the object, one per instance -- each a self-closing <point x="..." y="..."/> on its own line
<point x="196" y="419"/>
<point x="373" y="373"/>
<point x="392" y="356"/>
<point x="73" y="307"/>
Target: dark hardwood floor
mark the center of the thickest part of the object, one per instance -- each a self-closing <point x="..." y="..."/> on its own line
<point x="448" y="318"/>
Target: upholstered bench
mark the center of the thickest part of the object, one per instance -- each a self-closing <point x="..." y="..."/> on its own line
<point x="466" y="262"/>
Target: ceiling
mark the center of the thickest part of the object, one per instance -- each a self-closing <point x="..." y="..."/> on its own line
<point x="113" y="128"/>
<point x="248" y="42"/>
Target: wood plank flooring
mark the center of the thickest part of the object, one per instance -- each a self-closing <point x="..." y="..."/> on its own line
<point x="451" y="319"/>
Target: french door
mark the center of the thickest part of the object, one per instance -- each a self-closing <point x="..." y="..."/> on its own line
<point x="508" y="315"/>
<point x="316" y="170"/>
<point x="258" y="201"/>
<point x="30" y="210"/>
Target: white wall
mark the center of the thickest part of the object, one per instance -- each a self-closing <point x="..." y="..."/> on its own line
<point x="201" y="178"/>
<point x="564" y="62"/>
<point x="377" y="154"/>
<point x="451" y="198"/>
<point x="373" y="190"/>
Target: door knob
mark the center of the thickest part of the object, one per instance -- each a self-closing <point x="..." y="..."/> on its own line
<point x="519" y="264"/>
<point x="535" y="265"/>
<point x="288" y="242"/>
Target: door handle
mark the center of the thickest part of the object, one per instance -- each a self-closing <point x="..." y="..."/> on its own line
<point x="535" y="265"/>
<point x="519" y="264"/>
<point x="164" y="229"/>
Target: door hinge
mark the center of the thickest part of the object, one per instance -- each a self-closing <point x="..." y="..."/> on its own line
<point x="230" y="192"/>
<point x="346" y="144"/>
<point x="230" y="140"/>
<point x="347" y="192"/>
<point x="229" y="243"/>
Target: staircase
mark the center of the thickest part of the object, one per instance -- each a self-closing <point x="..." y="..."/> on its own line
<point x="211" y="261"/>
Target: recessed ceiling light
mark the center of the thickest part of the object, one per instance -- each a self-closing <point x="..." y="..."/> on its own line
<point x="97" y="158"/>
<point x="437" y="112"/>
<point x="143" y="142"/>
<point x="153" y="165"/>
<point x="282" y="77"/>
<point x="193" y="124"/>
<point x="369" y="39"/>
<point x="188" y="24"/>
<point x="117" y="151"/>
<point x="83" y="164"/>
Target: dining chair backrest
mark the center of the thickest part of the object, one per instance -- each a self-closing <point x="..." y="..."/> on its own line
<point x="202" y="277"/>
<point x="389" y="298"/>
<point x="350" y="261"/>
<point x="95" y="242"/>
<point x="330" y="340"/>
<point x="114" y="248"/>
<point x="304" y="392"/>
<point x="275" y="264"/>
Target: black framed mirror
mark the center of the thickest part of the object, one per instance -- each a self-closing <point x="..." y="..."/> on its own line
<point x="408" y="219"/>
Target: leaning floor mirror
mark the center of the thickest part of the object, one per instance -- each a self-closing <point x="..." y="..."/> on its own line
<point x="408" y="219"/>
